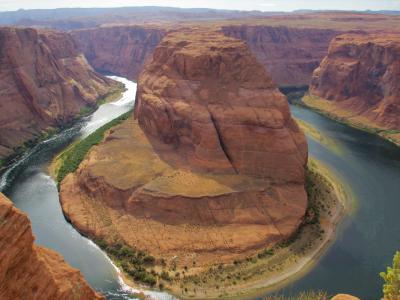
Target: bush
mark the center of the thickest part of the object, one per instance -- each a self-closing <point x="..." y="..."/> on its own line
<point x="72" y="158"/>
<point x="391" y="288"/>
<point x="310" y="295"/>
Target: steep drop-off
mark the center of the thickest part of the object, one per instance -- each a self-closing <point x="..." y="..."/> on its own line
<point x="358" y="83"/>
<point x="28" y="271"/>
<point x="122" y="50"/>
<point x="44" y="82"/>
<point x="213" y="170"/>
<point x="289" y="54"/>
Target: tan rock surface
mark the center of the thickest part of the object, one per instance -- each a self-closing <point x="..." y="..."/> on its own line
<point x="28" y="271"/>
<point x="44" y="82"/>
<point x="345" y="297"/>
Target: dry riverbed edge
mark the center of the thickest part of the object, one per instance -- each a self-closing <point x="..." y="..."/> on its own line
<point x="264" y="272"/>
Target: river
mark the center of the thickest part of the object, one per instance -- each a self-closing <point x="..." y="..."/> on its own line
<point x="365" y="243"/>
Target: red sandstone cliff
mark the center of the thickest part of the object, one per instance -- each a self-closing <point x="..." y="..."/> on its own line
<point x="44" y="82"/>
<point x="28" y="271"/>
<point x="207" y="96"/>
<point x="122" y="50"/>
<point x="289" y="54"/>
<point x="360" y="75"/>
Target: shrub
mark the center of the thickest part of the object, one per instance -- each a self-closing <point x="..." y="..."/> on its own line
<point x="71" y="159"/>
<point x="391" y="287"/>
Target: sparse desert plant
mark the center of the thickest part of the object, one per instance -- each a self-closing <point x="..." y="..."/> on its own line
<point x="391" y="287"/>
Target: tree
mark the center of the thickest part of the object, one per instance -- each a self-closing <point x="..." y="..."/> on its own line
<point x="391" y="288"/>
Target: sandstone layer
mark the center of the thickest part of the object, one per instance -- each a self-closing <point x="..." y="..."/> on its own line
<point x="28" y="271"/>
<point x="358" y="82"/>
<point x="214" y="168"/>
<point x="121" y="50"/>
<point x="44" y="82"/>
<point x="290" y="54"/>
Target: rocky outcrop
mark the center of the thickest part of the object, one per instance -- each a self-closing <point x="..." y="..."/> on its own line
<point x="213" y="169"/>
<point x="45" y="82"/>
<point x="359" y="78"/>
<point x="121" y="50"/>
<point x="28" y="271"/>
<point x="344" y="297"/>
<point x="208" y="97"/>
<point x="290" y="54"/>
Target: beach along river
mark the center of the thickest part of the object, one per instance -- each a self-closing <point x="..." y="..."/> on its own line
<point x="365" y="243"/>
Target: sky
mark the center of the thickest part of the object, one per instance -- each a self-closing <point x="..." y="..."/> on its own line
<point x="263" y="5"/>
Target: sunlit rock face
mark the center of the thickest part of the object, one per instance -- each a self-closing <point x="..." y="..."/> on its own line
<point x="361" y="75"/>
<point x="28" y="271"/>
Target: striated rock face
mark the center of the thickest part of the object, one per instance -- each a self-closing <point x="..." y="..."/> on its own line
<point x="289" y="54"/>
<point x="206" y="95"/>
<point x="361" y="75"/>
<point x="122" y="50"/>
<point x="212" y="170"/>
<point x="44" y="82"/>
<point x="28" y="271"/>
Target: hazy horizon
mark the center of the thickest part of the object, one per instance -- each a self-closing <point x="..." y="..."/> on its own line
<point x="262" y="5"/>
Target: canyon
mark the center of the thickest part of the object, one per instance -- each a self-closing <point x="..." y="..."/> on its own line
<point x="211" y="168"/>
<point x="289" y="54"/>
<point x="45" y="83"/>
<point x="28" y="271"/>
<point x="357" y="83"/>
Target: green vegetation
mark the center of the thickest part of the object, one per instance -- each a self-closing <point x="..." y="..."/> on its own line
<point x="135" y="263"/>
<point x="73" y="156"/>
<point x="1" y="162"/>
<point x="391" y="288"/>
<point x="310" y="295"/>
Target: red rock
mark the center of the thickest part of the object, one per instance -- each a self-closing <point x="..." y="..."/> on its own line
<point x="44" y="82"/>
<point x="361" y="75"/>
<point x="205" y="95"/>
<point x="28" y="271"/>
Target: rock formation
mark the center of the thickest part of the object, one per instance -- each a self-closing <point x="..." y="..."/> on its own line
<point x="207" y="97"/>
<point x="44" y="82"/>
<point x="359" y="78"/>
<point x="290" y="54"/>
<point x="122" y="50"/>
<point x="215" y="170"/>
<point x="28" y="271"/>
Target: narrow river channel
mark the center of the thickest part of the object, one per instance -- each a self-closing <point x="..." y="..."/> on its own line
<point x="365" y="243"/>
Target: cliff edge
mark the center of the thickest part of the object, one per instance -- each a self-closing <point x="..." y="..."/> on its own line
<point x="28" y="271"/>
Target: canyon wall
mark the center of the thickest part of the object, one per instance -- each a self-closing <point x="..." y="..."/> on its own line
<point x="360" y="79"/>
<point x="45" y="82"/>
<point x="121" y="50"/>
<point x="290" y="54"/>
<point x="28" y="271"/>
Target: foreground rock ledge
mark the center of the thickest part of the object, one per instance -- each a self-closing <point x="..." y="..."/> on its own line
<point x="212" y="171"/>
<point x="28" y="271"/>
